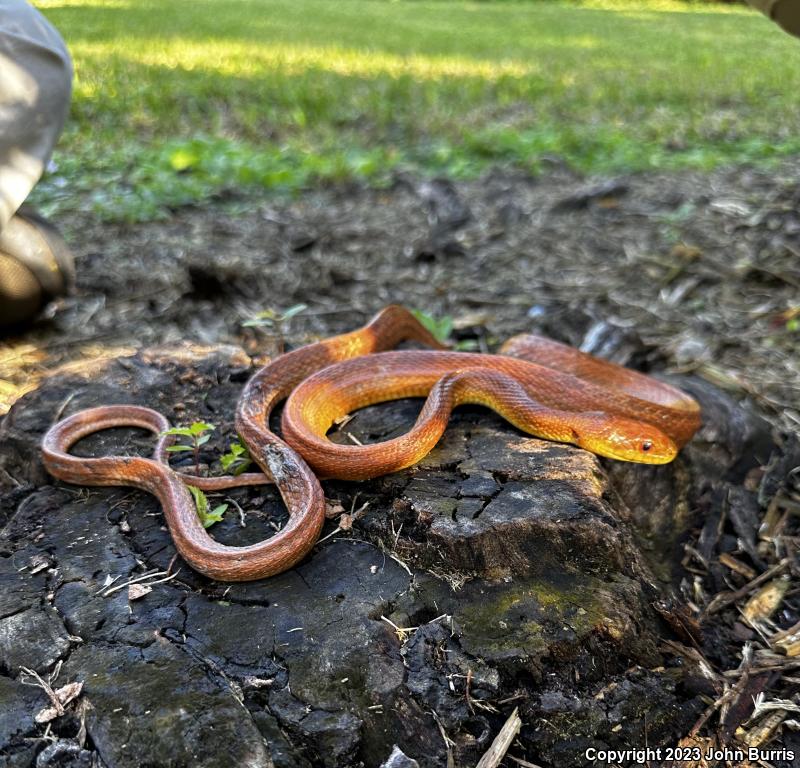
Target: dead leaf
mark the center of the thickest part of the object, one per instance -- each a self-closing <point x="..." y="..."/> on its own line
<point x="138" y="591"/>
<point x="333" y="509"/>
<point x="346" y="522"/>
<point x="65" y="695"/>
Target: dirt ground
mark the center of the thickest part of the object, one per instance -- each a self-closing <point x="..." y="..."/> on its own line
<point x="686" y="273"/>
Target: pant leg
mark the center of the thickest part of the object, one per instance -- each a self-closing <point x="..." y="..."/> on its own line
<point x="35" y="91"/>
<point x="786" y="13"/>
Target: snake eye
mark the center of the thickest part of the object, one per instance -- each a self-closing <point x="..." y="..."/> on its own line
<point x="647" y="445"/>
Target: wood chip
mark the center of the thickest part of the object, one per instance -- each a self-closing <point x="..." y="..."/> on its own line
<point x="787" y="640"/>
<point x="766" y="600"/>
<point x="726" y="598"/>
<point x="691" y="745"/>
<point x="763" y="732"/>
<point x="729" y="561"/>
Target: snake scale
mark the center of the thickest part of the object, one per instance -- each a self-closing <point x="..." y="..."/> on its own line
<point x="542" y="387"/>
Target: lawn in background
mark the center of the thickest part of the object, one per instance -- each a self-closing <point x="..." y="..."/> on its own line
<point x="176" y="101"/>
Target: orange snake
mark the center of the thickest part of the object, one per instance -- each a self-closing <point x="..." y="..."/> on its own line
<point x="540" y="386"/>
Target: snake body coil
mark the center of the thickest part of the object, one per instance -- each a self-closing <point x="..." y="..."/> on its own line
<point x="542" y="387"/>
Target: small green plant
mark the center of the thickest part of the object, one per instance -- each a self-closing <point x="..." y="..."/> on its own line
<point x="274" y="321"/>
<point x="440" y="327"/>
<point x="197" y="434"/>
<point x="236" y="460"/>
<point x="207" y="518"/>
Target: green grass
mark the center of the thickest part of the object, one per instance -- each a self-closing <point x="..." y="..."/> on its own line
<point x="180" y="100"/>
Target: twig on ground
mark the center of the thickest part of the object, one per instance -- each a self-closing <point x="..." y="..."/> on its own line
<point x="167" y="577"/>
<point x="239" y="509"/>
<point x="402" y="632"/>
<point x="39" y="682"/>
<point x="523" y="763"/>
<point x="502" y="741"/>
<point x="448" y="742"/>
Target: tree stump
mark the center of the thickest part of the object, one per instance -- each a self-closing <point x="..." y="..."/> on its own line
<point x="501" y="572"/>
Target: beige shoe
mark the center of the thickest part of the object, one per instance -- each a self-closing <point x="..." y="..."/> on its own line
<point x="36" y="266"/>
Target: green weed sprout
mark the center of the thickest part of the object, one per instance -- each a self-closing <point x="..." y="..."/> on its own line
<point x="440" y="327"/>
<point x="274" y="321"/>
<point x="236" y="460"/>
<point x="207" y="518"/>
<point x="197" y="434"/>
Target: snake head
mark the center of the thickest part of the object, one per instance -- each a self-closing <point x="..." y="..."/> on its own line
<point x="624" y="439"/>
